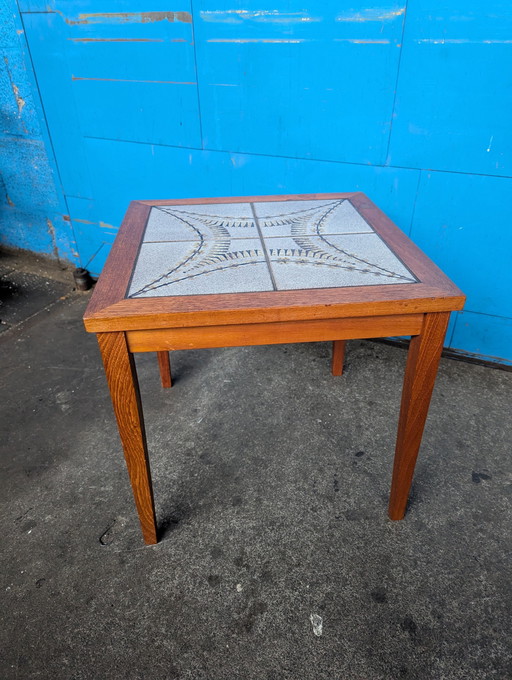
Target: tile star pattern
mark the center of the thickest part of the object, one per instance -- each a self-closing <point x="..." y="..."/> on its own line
<point x="261" y="246"/>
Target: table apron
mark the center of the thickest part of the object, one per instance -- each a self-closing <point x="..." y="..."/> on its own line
<point x="279" y="332"/>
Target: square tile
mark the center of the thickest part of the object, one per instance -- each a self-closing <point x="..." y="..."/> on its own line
<point x="196" y="249"/>
<point x="215" y="222"/>
<point x="294" y="218"/>
<point x="200" y="267"/>
<point x="336" y="260"/>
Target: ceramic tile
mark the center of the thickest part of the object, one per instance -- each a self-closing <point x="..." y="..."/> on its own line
<point x="200" y="267"/>
<point x="296" y="218"/>
<point x="216" y="248"/>
<point x="337" y="260"/>
<point x="203" y="221"/>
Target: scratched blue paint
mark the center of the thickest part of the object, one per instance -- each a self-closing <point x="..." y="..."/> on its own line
<point x="36" y="5"/>
<point x="119" y="110"/>
<point x="32" y="207"/>
<point x="408" y="102"/>
<point x="304" y="81"/>
<point x="184" y="173"/>
<point x="56" y="90"/>
<point x="135" y="81"/>
<point x="18" y="114"/>
<point x="454" y="97"/>
<point x="94" y="237"/>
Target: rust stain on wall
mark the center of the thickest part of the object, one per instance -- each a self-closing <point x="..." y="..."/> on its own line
<point x="129" y="17"/>
<point x="51" y="231"/>
<point x="20" y="102"/>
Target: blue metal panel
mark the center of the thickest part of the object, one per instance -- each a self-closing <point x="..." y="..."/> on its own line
<point x="36" y="5"/>
<point x="172" y="172"/>
<point x="94" y="237"/>
<point x="461" y="222"/>
<point x="113" y="74"/>
<point x="305" y="81"/>
<point x="454" y="99"/>
<point x="27" y="175"/>
<point x="32" y="207"/>
<point x="483" y="336"/>
<point x="55" y="86"/>
<point x="134" y="79"/>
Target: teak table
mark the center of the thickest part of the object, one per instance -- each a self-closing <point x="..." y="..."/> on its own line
<point x="225" y="272"/>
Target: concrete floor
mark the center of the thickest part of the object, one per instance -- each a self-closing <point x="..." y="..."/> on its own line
<point x="271" y="480"/>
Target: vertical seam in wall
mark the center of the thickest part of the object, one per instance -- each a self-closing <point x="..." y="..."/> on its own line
<point x="197" y="74"/>
<point x="457" y="319"/>
<point x="386" y="160"/>
<point x="414" y="204"/>
<point x="50" y="141"/>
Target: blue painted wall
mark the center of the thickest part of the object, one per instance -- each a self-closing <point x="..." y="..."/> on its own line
<point x="407" y="101"/>
<point x="32" y="203"/>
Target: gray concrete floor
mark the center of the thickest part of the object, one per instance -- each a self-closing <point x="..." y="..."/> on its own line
<point x="271" y="480"/>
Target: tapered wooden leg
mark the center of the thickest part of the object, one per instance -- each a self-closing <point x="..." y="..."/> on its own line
<point x="420" y="374"/>
<point x="124" y="390"/>
<point x="164" y="364"/>
<point x="338" y="356"/>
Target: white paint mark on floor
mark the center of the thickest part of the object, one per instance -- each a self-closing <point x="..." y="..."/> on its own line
<point x="62" y="399"/>
<point x="317" y="623"/>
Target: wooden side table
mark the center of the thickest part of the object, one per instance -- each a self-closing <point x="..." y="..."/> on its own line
<point x="224" y="272"/>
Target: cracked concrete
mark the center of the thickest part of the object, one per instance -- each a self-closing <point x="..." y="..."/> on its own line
<point x="271" y="480"/>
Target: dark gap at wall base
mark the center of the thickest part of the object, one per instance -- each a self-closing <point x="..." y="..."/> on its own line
<point x="456" y="354"/>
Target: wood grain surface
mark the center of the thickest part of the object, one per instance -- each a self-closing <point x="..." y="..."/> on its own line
<point x="116" y="274"/>
<point x="338" y="356"/>
<point x="237" y="335"/>
<point x="164" y="364"/>
<point x="109" y="308"/>
<point x="420" y="374"/>
<point x="124" y="390"/>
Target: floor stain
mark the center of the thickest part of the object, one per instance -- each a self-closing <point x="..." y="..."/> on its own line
<point x="477" y="477"/>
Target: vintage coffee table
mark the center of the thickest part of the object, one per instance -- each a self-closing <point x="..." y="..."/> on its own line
<point x="224" y="272"/>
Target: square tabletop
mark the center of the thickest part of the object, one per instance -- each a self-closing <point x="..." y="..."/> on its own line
<point x="227" y="260"/>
